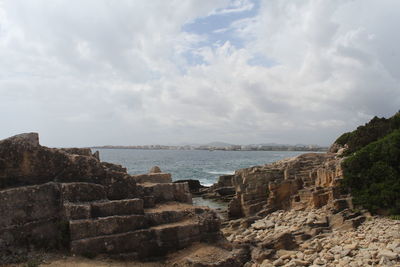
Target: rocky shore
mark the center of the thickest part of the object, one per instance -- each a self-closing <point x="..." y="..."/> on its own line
<point x="289" y="213"/>
<point x="278" y="240"/>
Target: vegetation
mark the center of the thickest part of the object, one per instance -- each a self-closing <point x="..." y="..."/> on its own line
<point x="395" y="217"/>
<point x="372" y="131"/>
<point x="373" y="172"/>
<point x="368" y="133"/>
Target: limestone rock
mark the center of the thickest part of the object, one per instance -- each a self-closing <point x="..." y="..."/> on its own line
<point x="155" y="169"/>
<point x="68" y="198"/>
<point x="194" y="185"/>
<point x="304" y="182"/>
<point x="22" y="163"/>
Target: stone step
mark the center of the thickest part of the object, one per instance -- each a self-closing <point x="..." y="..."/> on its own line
<point x="79" y="211"/>
<point x="117" y="207"/>
<point x="82" y="192"/>
<point x="80" y="229"/>
<point x="169" y="212"/>
<point x="149" y="202"/>
<point x="166" y="192"/>
<point x="152" y="242"/>
<point x="114" y="224"/>
<point x="76" y="211"/>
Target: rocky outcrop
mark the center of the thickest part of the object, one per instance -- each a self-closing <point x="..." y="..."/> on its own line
<point x="68" y="198"/>
<point x="286" y="208"/>
<point x="306" y="181"/>
<point x="24" y="162"/>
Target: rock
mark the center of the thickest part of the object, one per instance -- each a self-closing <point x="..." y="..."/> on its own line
<point x="155" y="169"/>
<point x="225" y="180"/>
<point x="25" y="139"/>
<point x="67" y="198"/>
<point x="259" y="254"/>
<point x="266" y="263"/>
<point x="280" y="241"/>
<point x="259" y="225"/>
<point x="285" y="254"/>
<point x="278" y="262"/>
<point x="153" y="178"/>
<point x="23" y="158"/>
<point x="306" y="181"/>
<point x="225" y="191"/>
<point x="235" y="208"/>
<point x="388" y="254"/>
<point x="113" y="167"/>
<point x="194" y="185"/>
<point x="78" y="151"/>
<point x="301" y="262"/>
<point x="96" y="154"/>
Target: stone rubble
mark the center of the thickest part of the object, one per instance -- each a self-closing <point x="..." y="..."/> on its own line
<point x="278" y="240"/>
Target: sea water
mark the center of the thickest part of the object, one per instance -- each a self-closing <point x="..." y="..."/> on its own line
<point x="203" y="165"/>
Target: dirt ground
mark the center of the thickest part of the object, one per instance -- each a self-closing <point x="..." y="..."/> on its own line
<point x="82" y="262"/>
<point x="72" y="261"/>
<point x="205" y="253"/>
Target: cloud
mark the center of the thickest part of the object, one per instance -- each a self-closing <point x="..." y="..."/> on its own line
<point x="235" y="6"/>
<point x="132" y="73"/>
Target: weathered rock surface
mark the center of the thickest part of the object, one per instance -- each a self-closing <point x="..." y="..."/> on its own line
<point x="222" y="190"/>
<point x="194" y="185"/>
<point x="155" y="169"/>
<point x="294" y="211"/>
<point x="68" y="198"/>
<point x="307" y="238"/>
<point x="306" y="181"/>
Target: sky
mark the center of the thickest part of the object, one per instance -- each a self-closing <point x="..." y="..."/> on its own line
<point x="108" y="72"/>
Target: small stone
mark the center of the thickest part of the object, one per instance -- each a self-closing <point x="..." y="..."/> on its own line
<point x="278" y="262"/>
<point x="388" y="254"/>
<point x="266" y="263"/>
<point x="301" y="263"/>
<point x="319" y="261"/>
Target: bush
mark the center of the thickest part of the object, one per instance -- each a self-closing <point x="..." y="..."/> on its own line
<point x="373" y="174"/>
<point x="395" y="217"/>
<point x="372" y="131"/>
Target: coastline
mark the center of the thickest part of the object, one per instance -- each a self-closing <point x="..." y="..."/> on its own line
<point x="291" y="212"/>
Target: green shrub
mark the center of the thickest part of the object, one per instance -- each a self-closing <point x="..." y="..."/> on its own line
<point x="373" y="174"/>
<point x="395" y="217"/>
<point x="343" y="139"/>
<point x="368" y="133"/>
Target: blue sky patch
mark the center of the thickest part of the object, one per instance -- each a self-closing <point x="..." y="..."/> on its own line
<point x="217" y="27"/>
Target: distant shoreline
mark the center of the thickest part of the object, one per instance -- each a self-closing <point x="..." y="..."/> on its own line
<point x="277" y="148"/>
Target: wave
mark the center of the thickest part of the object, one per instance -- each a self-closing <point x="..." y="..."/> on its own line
<point x="206" y="184"/>
<point x="222" y="172"/>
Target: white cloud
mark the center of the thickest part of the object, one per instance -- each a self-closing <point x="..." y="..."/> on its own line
<point x="235" y="6"/>
<point x="118" y="73"/>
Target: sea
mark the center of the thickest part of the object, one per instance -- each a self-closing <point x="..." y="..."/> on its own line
<point x="203" y="165"/>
